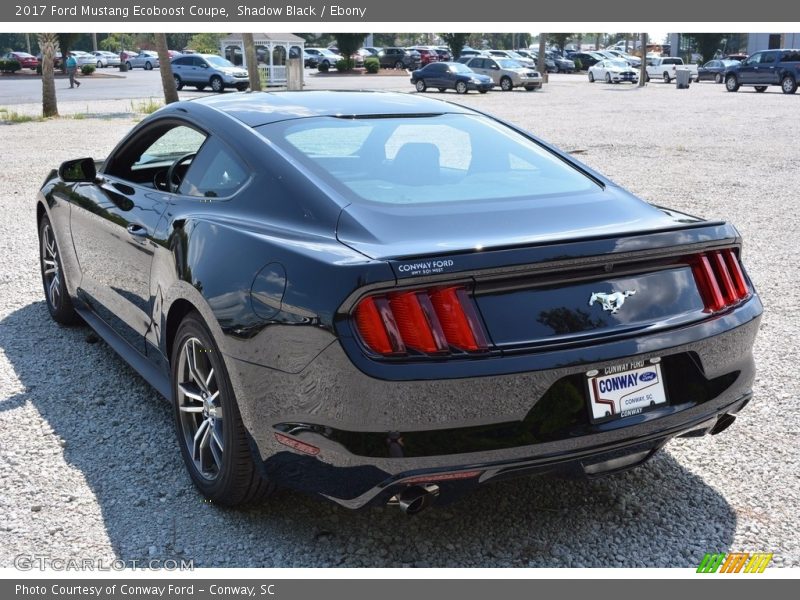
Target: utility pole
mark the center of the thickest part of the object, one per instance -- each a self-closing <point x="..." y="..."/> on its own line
<point x="643" y="65"/>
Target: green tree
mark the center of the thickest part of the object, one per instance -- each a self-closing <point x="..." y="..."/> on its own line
<point x="205" y="43"/>
<point x="348" y="44"/>
<point x="115" y="42"/>
<point x="456" y="42"/>
<point x="560" y="39"/>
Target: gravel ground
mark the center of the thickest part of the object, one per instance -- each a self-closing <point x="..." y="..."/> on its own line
<point x="89" y="465"/>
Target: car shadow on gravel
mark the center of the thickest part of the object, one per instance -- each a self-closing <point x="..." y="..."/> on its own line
<point x="118" y="433"/>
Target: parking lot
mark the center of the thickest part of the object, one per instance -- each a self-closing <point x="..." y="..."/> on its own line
<point x="89" y="461"/>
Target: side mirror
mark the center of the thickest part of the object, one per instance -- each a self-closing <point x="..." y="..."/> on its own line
<point x="78" y="170"/>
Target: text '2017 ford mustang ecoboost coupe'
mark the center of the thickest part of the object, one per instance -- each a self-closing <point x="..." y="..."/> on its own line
<point x="382" y="298"/>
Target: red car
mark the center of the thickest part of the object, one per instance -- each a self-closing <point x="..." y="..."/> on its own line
<point x="426" y="55"/>
<point x="27" y="61"/>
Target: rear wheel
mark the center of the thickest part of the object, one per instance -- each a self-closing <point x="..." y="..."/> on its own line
<point x="761" y="88"/>
<point x="99" y="64"/>
<point x="210" y="431"/>
<point x="506" y="85"/>
<point x="732" y="83"/>
<point x="420" y="85"/>
<point x="442" y="90"/>
<point x="591" y="77"/>
<point x="216" y="84"/>
<point x="148" y="66"/>
<point x="667" y="78"/>
<point x="717" y="78"/>
<point x="461" y="87"/>
<point x="128" y="64"/>
<point x="398" y="64"/>
<point x="530" y="88"/>
<point x="483" y="91"/>
<point x="788" y="85"/>
<point x="59" y="304"/>
<point x="178" y="82"/>
<point x="608" y="78"/>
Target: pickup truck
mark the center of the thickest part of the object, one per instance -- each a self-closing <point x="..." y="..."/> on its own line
<point x="664" y="67"/>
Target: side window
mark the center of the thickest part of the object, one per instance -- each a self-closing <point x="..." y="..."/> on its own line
<point x="768" y="58"/>
<point x="791" y="56"/>
<point x="176" y="142"/>
<point x="215" y="173"/>
<point x="754" y="60"/>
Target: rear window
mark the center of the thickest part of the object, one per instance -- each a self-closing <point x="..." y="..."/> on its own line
<point x="440" y="158"/>
<point x="791" y="56"/>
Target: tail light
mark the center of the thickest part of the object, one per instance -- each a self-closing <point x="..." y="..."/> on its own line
<point x="720" y="279"/>
<point x="435" y="321"/>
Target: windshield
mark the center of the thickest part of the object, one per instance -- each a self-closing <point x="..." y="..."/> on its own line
<point x="460" y="68"/>
<point x="507" y="63"/>
<point x="327" y="52"/>
<point x="437" y="158"/>
<point x="619" y="64"/>
<point x="218" y="61"/>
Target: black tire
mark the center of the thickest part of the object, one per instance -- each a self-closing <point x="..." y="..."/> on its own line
<point x="646" y="77"/>
<point x="608" y="78"/>
<point x="178" y="82"/>
<point x="506" y="84"/>
<point x="217" y="84"/>
<point x="398" y="64"/>
<point x="788" y="85"/>
<point x="530" y="88"/>
<point x="591" y="77"/>
<point x="667" y="78"/>
<point x="761" y="89"/>
<point x="128" y="64"/>
<point x="718" y="78"/>
<point x="732" y="83"/>
<point x="482" y="91"/>
<point x="442" y="90"/>
<point x="59" y="304"/>
<point x="148" y="66"/>
<point x="420" y="85"/>
<point x="99" y="64"/>
<point x="242" y="87"/>
<point x="229" y="476"/>
<point x="461" y="87"/>
<point x="200" y="87"/>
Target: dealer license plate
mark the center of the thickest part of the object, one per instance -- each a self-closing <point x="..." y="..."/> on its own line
<point x="625" y="390"/>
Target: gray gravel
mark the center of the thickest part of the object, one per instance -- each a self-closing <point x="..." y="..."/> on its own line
<point x="88" y="461"/>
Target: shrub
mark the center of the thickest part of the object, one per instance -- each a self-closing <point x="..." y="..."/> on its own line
<point x="9" y="66"/>
<point x="578" y="64"/>
<point x="342" y="65"/>
<point x="323" y="67"/>
<point x="87" y="69"/>
<point x="372" y="64"/>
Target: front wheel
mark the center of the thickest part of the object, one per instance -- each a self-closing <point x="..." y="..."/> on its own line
<point x="506" y="85"/>
<point x="717" y="78"/>
<point x="148" y="66"/>
<point x="608" y="78"/>
<point x="731" y="83"/>
<point x="178" y="82"/>
<point x="212" y="437"/>
<point x="761" y="89"/>
<point x="420" y="85"/>
<point x="530" y="88"/>
<point x="667" y="78"/>
<point x="216" y="84"/>
<point x="788" y="85"/>
<point x="398" y="64"/>
<point x="99" y="64"/>
<point x="591" y="77"/>
<point x="59" y="304"/>
<point x="442" y="90"/>
<point x="483" y="91"/>
<point x="128" y="64"/>
<point x="461" y="87"/>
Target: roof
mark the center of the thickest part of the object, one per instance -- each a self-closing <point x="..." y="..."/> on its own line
<point x="266" y="37"/>
<point x="260" y="108"/>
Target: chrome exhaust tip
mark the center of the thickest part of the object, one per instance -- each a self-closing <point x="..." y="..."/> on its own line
<point x="723" y="423"/>
<point x="417" y="498"/>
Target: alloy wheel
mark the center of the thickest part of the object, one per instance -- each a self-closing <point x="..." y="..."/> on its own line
<point x="200" y="406"/>
<point x="51" y="270"/>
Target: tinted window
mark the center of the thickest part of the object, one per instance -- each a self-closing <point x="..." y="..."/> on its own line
<point x="436" y="68"/>
<point x="445" y="158"/>
<point x="754" y="60"/>
<point x="215" y="173"/>
<point x="176" y="142"/>
<point x="476" y="63"/>
<point x="791" y="56"/>
<point x="197" y="61"/>
<point x="185" y="61"/>
<point x="768" y="57"/>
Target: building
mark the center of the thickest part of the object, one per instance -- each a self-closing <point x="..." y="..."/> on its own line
<point x="272" y="52"/>
<point x="770" y="41"/>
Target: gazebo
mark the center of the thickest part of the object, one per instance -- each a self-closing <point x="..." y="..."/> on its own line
<point x="272" y="51"/>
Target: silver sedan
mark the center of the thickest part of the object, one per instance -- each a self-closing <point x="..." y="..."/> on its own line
<point x="146" y="59"/>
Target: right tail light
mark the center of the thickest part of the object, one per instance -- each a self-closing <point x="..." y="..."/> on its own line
<point x="720" y="279"/>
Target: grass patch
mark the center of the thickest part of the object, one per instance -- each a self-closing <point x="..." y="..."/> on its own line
<point x="146" y="107"/>
<point x="12" y="116"/>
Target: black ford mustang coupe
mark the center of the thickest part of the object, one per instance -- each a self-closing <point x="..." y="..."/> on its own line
<point x="384" y="298"/>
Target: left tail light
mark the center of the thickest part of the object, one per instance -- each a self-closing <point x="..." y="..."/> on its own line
<point x="720" y="279"/>
<point x="434" y="321"/>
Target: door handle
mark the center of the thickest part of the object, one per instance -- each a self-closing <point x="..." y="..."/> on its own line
<point x="137" y="230"/>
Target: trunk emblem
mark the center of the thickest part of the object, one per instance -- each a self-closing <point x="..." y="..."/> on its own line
<point x="611" y="302"/>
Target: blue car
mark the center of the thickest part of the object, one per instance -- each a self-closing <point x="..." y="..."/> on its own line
<point x="450" y="75"/>
<point x="763" y="69"/>
<point x="201" y="70"/>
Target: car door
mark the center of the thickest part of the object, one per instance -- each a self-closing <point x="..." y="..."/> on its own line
<point x="749" y="69"/>
<point x="768" y="69"/>
<point x="435" y="75"/>
<point x="114" y="221"/>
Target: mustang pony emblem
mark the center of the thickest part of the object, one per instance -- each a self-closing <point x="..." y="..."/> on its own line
<point x="611" y="302"/>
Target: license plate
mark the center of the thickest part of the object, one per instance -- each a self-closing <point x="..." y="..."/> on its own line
<point x="625" y="390"/>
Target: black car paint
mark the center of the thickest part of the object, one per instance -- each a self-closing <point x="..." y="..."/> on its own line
<point x="287" y="339"/>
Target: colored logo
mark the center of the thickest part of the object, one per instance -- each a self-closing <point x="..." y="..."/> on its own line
<point x="735" y="562"/>
<point x="648" y="376"/>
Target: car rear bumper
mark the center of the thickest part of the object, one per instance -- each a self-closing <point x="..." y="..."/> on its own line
<point x="332" y="430"/>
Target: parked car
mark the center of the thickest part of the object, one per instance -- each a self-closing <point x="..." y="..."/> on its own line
<point x="633" y="61"/>
<point x="763" y="69"/>
<point x="126" y="55"/>
<point x="587" y="58"/>
<point x="416" y="307"/>
<point x="310" y="61"/>
<point x="174" y="54"/>
<point x="25" y="60"/>
<point x="444" y="53"/>
<point x="371" y="50"/>
<point x="84" y="58"/>
<point x="505" y="72"/>
<point x="613" y="71"/>
<point x="737" y="56"/>
<point x="201" y="70"/>
<point x="57" y="59"/>
<point x="146" y="59"/>
<point x="104" y="58"/>
<point x="399" y="58"/>
<point x="561" y="64"/>
<point x="426" y="55"/>
<point x="510" y="54"/>
<point x="665" y="67"/>
<point x="324" y="56"/>
<point x="714" y="70"/>
<point x="450" y="76"/>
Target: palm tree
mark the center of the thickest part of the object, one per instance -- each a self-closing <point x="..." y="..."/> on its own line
<point x="47" y="44"/>
<point x="167" y="78"/>
<point x="252" y="61"/>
